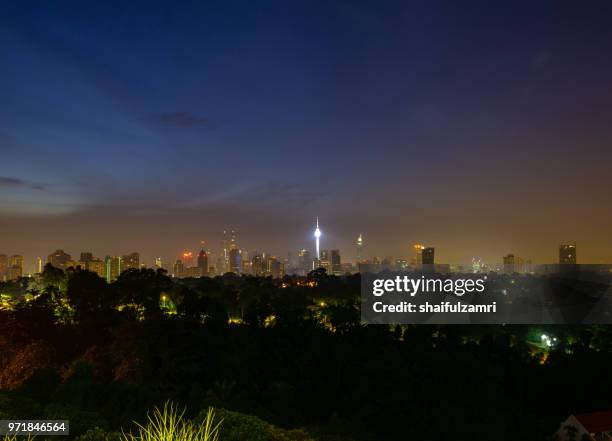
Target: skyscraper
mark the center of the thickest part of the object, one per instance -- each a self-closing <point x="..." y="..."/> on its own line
<point x="235" y="260"/>
<point x="317" y="235"/>
<point x="257" y="265"/>
<point x="304" y="261"/>
<point x="39" y="265"/>
<point x="86" y="256"/>
<point x="178" y="270"/>
<point x="187" y="258"/>
<point x="3" y="266"/>
<point x="509" y="264"/>
<point x="203" y="263"/>
<point x="428" y="255"/>
<point x="158" y="263"/>
<point x="418" y="249"/>
<point x="15" y="267"/>
<point x="567" y="254"/>
<point x="335" y="263"/>
<point x="359" y="248"/>
<point x="112" y="268"/>
<point x="59" y="259"/>
<point x="131" y="260"/>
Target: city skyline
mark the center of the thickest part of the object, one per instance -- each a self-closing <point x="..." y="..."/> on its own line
<point x="480" y="131"/>
<point x="220" y="256"/>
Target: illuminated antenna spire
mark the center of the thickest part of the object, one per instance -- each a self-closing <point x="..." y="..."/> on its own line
<point x="317" y="235"/>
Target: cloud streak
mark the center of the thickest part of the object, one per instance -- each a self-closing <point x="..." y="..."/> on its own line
<point x="9" y="182"/>
<point x="182" y="120"/>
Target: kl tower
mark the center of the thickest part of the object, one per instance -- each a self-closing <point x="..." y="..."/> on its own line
<point x="317" y="235"/>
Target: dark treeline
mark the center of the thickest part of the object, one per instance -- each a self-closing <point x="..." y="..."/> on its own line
<point x="290" y="351"/>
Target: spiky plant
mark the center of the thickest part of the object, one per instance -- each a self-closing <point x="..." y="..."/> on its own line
<point x="168" y="424"/>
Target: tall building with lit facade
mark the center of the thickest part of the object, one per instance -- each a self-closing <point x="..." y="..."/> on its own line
<point x="304" y="261"/>
<point x="418" y="250"/>
<point x="179" y="270"/>
<point x="96" y="266"/>
<point x="324" y="261"/>
<point x="257" y="265"/>
<point x="130" y="261"/>
<point x="60" y="259"/>
<point x="203" y="263"/>
<point x="235" y="261"/>
<point x="428" y="255"/>
<point x="567" y="254"/>
<point x="187" y="258"/>
<point x="335" y="263"/>
<point x="86" y="256"/>
<point x="112" y="268"/>
<point x="3" y="266"/>
<point x="359" y="248"/>
<point x="509" y="264"/>
<point x="15" y="267"/>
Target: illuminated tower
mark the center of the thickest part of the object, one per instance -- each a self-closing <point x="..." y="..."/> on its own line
<point x="567" y="254"/>
<point x="317" y="235"/>
<point x="359" y="248"/>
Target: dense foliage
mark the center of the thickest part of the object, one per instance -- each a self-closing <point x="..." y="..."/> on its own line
<point x="291" y="353"/>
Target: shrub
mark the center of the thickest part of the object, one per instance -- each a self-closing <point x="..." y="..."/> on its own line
<point x="169" y="425"/>
<point x="241" y="427"/>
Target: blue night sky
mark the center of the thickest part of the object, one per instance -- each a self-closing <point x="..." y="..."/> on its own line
<point x="479" y="129"/>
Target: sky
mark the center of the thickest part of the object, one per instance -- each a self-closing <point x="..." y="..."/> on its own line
<point x="480" y="129"/>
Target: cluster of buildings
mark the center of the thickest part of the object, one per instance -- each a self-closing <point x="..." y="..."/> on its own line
<point x="233" y="259"/>
<point x="109" y="268"/>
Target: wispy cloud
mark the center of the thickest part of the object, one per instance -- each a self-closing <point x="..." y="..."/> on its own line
<point x="9" y="182"/>
<point x="182" y="120"/>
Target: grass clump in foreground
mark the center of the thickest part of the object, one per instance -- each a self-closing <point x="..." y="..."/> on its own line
<point x="168" y="424"/>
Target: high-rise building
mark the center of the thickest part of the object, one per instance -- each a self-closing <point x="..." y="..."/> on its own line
<point x="233" y="245"/>
<point x="112" y="268"/>
<point x="359" y="248"/>
<point x="203" y="263"/>
<point x="257" y="266"/>
<point x="317" y="235"/>
<point x="567" y="254"/>
<point x="95" y="266"/>
<point x="335" y="264"/>
<point x="223" y="259"/>
<point x="3" y="266"/>
<point x="59" y="259"/>
<point x="39" y="265"/>
<point x="428" y="255"/>
<point x="476" y="264"/>
<point x="158" y="263"/>
<point x="509" y="264"/>
<point x="324" y="261"/>
<point x="129" y="261"/>
<point x="86" y="256"/>
<point x="178" y="270"/>
<point x="418" y="249"/>
<point x="235" y="261"/>
<point x="187" y="258"/>
<point x="274" y="268"/>
<point x="304" y="261"/>
<point x="15" y="267"/>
